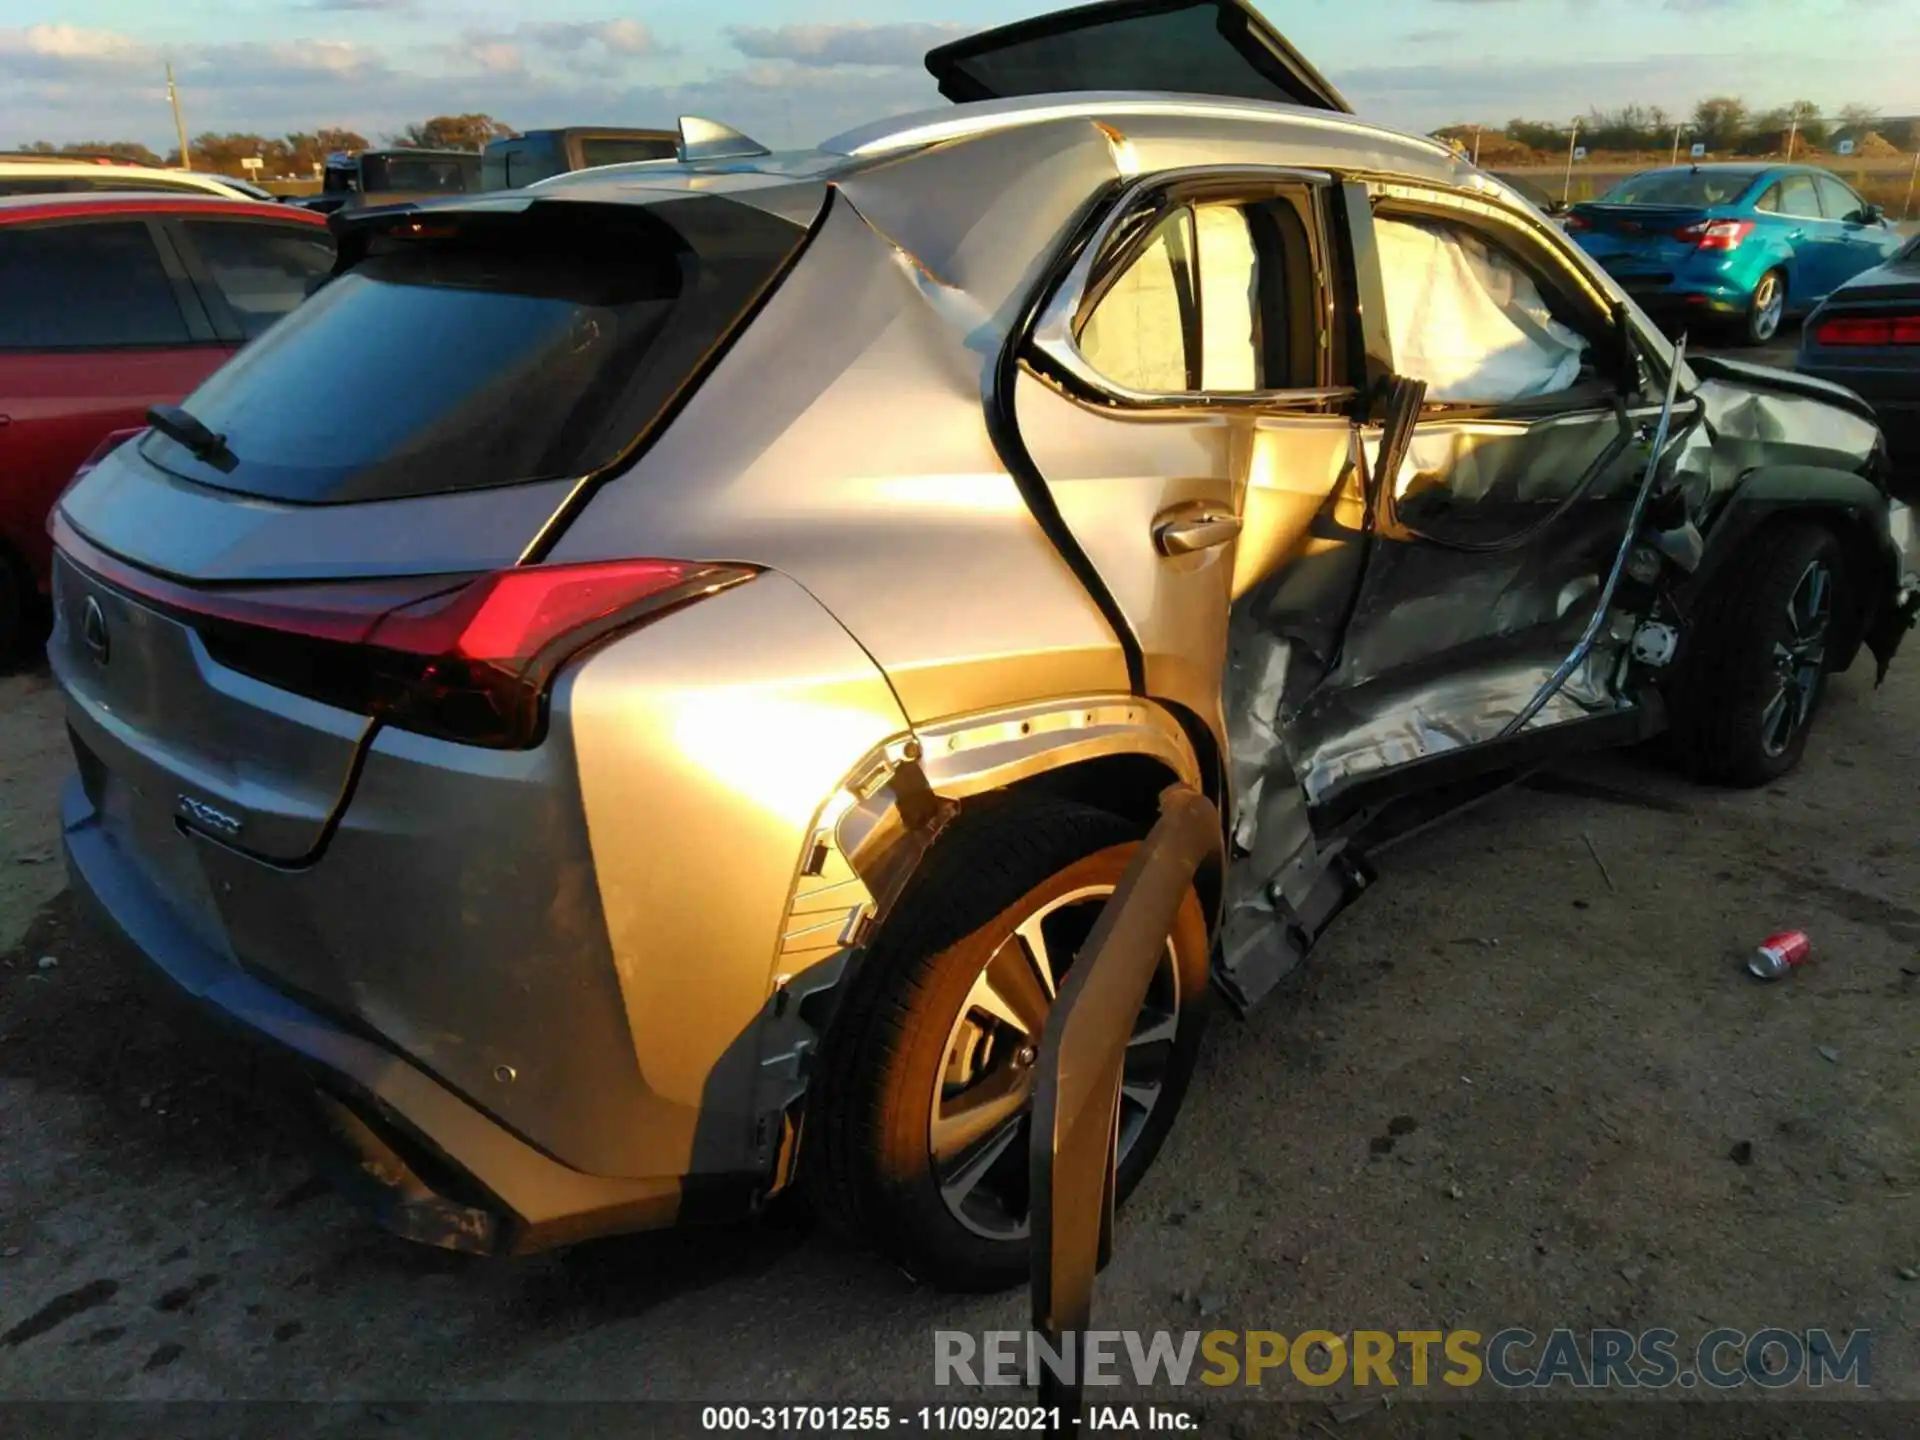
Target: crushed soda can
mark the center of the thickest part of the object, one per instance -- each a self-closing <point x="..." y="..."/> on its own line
<point x="1778" y="954"/>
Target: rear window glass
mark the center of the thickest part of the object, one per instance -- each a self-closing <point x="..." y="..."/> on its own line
<point x="1681" y="187"/>
<point x="81" y="287"/>
<point x="608" y="150"/>
<point x="519" y="347"/>
<point x="447" y="174"/>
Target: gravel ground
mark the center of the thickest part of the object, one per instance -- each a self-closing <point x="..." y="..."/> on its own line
<point x="1504" y="1092"/>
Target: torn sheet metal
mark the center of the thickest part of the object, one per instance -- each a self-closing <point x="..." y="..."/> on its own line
<point x="1450" y="713"/>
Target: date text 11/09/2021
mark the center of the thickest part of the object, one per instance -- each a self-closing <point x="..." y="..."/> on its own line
<point x="938" y="1419"/>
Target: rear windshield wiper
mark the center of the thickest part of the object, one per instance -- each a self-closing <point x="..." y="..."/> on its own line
<point x="177" y="425"/>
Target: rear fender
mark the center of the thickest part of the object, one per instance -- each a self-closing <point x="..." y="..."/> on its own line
<point x="1776" y="255"/>
<point x="873" y="834"/>
<point x="1852" y="506"/>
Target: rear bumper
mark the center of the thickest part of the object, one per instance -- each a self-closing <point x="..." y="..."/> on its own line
<point x="426" y="1163"/>
<point x="1894" y="395"/>
<point x="1684" y="295"/>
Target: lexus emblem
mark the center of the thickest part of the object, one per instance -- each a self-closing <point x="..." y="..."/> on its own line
<point x="93" y="630"/>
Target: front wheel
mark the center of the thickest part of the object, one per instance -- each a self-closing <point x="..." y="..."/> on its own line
<point x="1767" y="309"/>
<point x="1754" y="665"/>
<point x="919" y="1124"/>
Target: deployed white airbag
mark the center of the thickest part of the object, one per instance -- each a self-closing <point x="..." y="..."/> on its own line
<point x="1467" y="320"/>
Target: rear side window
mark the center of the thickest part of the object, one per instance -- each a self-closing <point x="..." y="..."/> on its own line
<point x="262" y="270"/>
<point x="1140" y="333"/>
<point x="530" y="345"/>
<point x="617" y="151"/>
<point x="83" y="287"/>
<point x="1798" y="197"/>
<point x="1221" y="299"/>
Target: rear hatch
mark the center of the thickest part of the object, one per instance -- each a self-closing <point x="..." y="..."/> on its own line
<point x="411" y="430"/>
<point x="1194" y="47"/>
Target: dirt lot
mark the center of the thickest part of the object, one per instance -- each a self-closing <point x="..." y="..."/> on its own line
<point x="1509" y="1090"/>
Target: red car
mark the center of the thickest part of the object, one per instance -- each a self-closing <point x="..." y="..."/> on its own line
<point x="115" y="302"/>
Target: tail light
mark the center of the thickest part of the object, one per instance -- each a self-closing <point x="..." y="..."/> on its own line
<point x="1868" y="330"/>
<point x="466" y="658"/>
<point x="1576" y="223"/>
<point x="1715" y="234"/>
<point x="112" y="442"/>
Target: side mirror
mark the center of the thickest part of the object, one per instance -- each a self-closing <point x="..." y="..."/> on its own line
<point x="1871" y="214"/>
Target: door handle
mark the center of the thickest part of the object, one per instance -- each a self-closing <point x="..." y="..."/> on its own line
<point x="1189" y="533"/>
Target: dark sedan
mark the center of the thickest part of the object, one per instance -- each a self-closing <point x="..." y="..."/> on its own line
<point x="1866" y="336"/>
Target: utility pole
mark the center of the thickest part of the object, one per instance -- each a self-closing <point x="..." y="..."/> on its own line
<point x="1793" y="133"/>
<point x="1566" y="190"/>
<point x="1676" y="144"/>
<point x="179" y="125"/>
<point x="1476" y="145"/>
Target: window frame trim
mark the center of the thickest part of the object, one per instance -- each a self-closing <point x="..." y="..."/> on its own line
<point x="1051" y="345"/>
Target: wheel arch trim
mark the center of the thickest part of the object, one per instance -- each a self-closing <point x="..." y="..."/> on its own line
<point x="872" y="835"/>
<point x="1854" y="507"/>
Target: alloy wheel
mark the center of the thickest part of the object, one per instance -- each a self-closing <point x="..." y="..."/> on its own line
<point x="1799" y="659"/>
<point x="1769" y="305"/>
<point x="981" y="1117"/>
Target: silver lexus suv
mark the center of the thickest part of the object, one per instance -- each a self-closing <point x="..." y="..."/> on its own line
<point x="638" y="689"/>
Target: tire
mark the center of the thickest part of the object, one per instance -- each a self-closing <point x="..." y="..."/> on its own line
<point x="1753" y="667"/>
<point x="1765" y="310"/>
<point x="914" y="1055"/>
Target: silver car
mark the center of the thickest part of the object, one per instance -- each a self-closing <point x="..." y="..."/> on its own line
<point x="639" y="688"/>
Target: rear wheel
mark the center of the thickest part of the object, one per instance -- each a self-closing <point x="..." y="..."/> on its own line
<point x="920" y="1122"/>
<point x="1767" y="309"/>
<point x="1755" y="662"/>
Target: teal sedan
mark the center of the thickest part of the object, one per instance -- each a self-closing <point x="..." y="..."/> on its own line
<point x="1744" y="244"/>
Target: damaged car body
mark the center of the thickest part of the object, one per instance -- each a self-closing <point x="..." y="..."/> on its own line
<point x="673" y="749"/>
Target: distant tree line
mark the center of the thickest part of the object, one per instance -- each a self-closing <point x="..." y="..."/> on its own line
<point x="289" y="155"/>
<point x="1723" y="123"/>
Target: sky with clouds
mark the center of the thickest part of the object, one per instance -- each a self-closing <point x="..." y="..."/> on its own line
<point x="791" y="74"/>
